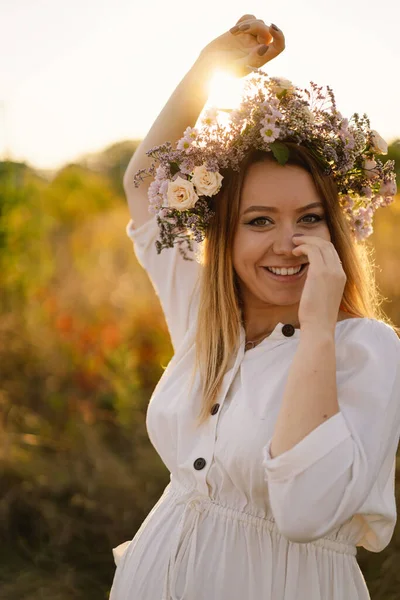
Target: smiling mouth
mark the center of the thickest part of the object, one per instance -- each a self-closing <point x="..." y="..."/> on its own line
<point x="287" y="278"/>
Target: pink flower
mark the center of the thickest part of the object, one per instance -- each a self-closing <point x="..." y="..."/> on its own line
<point x="161" y="173"/>
<point x="369" y="166"/>
<point x="378" y="143"/>
<point x="386" y="201"/>
<point x="152" y="192"/>
<point x="347" y="201"/>
<point x="388" y="189"/>
<point x="164" y="188"/>
<point x="367" y="192"/>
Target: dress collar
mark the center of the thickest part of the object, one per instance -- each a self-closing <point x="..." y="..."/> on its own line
<point x="280" y="332"/>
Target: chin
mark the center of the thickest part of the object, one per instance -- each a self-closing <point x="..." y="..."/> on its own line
<point x="281" y="299"/>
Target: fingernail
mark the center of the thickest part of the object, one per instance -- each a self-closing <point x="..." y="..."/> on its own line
<point x="234" y="29"/>
<point x="262" y="50"/>
<point x="298" y="234"/>
<point x="244" y="27"/>
<point x="274" y="27"/>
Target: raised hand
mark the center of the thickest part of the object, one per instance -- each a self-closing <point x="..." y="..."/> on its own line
<point x="325" y="282"/>
<point x="250" y="43"/>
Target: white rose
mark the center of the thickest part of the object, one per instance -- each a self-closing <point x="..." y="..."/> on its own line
<point x="280" y="84"/>
<point x="378" y="143"/>
<point x="369" y="166"/>
<point x="181" y="194"/>
<point x="207" y="183"/>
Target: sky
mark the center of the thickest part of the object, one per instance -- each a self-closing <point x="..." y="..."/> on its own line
<point x="79" y="75"/>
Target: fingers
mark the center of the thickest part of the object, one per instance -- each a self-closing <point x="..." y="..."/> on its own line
<point x="245" y="18"/>
<point x="266" y="52"/>
<point x="263" y="53"/>
<point x="278" y="42"/>
<point x="255" y="27"/>
<point x="271" y="36"/>
<point x="328" y="252"/>
<point x="266" y="42"/>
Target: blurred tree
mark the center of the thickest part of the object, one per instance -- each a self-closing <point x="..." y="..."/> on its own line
<point x="112" y="162"/>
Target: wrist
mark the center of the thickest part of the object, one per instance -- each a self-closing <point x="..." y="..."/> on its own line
<point x="204" y="66"/>
<point x="317" y="333"/>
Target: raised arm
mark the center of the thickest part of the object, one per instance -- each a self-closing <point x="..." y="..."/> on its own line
<point x="234" y="51"/>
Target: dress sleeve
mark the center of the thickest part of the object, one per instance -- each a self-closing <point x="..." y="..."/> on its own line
<point x="325" y="479"/>
<point x="174" y="279"/>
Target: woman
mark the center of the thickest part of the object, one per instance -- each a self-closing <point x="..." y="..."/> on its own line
<point x="282" y="448"/>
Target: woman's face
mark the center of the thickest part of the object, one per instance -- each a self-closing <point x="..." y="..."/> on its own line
<point x="264" y="235"/>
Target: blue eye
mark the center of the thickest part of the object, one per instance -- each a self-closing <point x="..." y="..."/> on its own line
<point x="317" y="217"/>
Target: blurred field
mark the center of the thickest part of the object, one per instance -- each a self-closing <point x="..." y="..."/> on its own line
<point x="83" y="343"/>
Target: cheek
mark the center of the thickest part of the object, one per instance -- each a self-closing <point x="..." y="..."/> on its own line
<point x="324" y="232"/>
<point x="237" y="248"/>
<point x="244" y="249"/>
<point x="321" y="230"/>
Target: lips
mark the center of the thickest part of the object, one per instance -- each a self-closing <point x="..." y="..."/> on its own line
<point x="287" y="278"/>
<point x="285" y="266"/>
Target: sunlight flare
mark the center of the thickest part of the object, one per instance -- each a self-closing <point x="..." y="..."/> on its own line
<point x="225" y="91"/>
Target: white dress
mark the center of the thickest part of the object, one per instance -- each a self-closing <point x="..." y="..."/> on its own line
<point x="232" y="523"/>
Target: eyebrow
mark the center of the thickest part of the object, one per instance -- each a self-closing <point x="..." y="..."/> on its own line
<point x="275" y="210"/>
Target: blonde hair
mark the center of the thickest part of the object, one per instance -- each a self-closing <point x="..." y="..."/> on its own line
<point x="220" y="315"/>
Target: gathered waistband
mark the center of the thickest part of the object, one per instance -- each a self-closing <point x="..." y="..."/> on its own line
<point x="195" y="504"/>
<point x="200" y="502"/>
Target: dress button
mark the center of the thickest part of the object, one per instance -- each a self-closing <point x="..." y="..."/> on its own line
<point x="215" y="409"/>
<point x="288" y="330"/>
<point x="199" y="463"/>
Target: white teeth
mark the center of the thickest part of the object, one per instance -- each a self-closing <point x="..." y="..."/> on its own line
<point x="291" y="271"/>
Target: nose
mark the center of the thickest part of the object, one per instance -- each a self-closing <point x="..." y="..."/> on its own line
<point x="283" y="242"/>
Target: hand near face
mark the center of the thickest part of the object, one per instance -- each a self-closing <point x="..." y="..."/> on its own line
<point x="325" y="282"/>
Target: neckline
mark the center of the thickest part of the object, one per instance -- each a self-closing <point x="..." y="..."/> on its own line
<point x="277" y="335"/>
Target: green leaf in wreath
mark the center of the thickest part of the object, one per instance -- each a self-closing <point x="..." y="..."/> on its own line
<point x="174" y="168"/>
<point x="280" y="152"/>
<point x="281" y="94"/>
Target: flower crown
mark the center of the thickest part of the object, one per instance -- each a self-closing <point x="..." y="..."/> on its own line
<point x="272" y="111"/>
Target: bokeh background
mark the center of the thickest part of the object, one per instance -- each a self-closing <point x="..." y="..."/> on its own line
<point x="83" y="340"/>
